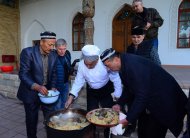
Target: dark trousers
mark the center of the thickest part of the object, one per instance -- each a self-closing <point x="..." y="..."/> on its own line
<point x="100" y="97"/>
<point x="188" y="116"/>
<point x="188" y="125"/>
<point x="149" y="127"/>
<point x="31" y="113"/>
<point x="187" y="132"/>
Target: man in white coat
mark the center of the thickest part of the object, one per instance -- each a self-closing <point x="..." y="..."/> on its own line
<point x="101" y="82"/>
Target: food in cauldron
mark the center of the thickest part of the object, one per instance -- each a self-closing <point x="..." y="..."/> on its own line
<point x="61" y="122"/>
<point x="103" y="116"/>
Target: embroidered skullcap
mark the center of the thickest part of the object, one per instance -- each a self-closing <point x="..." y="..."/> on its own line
<point x="107" y="54"/>
<point x="90" y="52"/>
<point x="48" y="35"/>
<point x="137" y="30"/>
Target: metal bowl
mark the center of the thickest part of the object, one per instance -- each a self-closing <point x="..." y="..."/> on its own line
<point x="52" y="97"/>
<point x="91" y="119"/>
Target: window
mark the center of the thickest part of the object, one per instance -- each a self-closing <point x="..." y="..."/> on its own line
<point x="78" y="36"/>
<point x="184" y="25"/>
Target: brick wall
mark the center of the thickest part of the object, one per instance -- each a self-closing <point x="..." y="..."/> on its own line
<point x="9" y="84"/>
<point x="9" y="32"/>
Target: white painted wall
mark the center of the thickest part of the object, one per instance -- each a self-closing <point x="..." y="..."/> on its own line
<point x="57" y="16"/>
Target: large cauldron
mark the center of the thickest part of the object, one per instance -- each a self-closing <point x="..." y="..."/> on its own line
<point x="86" y="132"/>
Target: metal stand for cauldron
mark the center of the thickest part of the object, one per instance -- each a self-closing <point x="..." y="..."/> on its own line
<point x="100" y="132"/>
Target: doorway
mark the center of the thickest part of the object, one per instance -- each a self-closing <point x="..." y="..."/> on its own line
<point x="121" y="29"/>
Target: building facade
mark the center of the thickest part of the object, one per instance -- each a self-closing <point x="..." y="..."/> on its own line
<point x="58" y="15"/>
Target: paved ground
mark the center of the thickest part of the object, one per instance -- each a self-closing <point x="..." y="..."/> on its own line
<point x="12" y="124"/>
<point x="12" y="120"/>
<point x="12" y="117"/>
<point x="181" y="74"/>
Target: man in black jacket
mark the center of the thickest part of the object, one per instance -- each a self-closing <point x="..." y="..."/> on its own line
<point x="187" y="132"/>
<point x="142" y="47"/>
<point x="149" y="88"/>
<point x="149" y="19"/>
<point x="36" y="65"/>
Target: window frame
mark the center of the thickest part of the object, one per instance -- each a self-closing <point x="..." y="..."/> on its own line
<point x="78" y="34"/>
<point x="181" y="23"/>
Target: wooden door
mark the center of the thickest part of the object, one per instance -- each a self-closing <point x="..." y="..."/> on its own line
<point x="118" y="40"/>
<point x="121" y="35"/>
<point x="121" y="29"/>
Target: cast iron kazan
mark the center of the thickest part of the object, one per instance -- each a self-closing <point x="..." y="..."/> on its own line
<point x="86" y="132"/>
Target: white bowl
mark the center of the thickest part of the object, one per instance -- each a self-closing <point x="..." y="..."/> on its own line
<point x="50" y="98"/>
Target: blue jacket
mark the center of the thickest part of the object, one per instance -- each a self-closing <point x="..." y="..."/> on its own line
<point x="31" y="71"/>
<point x="61" y="70"/>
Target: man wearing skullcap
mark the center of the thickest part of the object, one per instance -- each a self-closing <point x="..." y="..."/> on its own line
<point x="142" y="47"/>
<point x="36" y="65"/>
<point x="100" y="82"/>
<point x="149" y="87"/>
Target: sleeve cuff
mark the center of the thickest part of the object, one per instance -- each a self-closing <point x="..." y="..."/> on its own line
<point x="33" y="86"/>
<point x="74" y="97"/>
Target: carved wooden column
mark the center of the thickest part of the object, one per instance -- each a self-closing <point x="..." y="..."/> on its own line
<point x="88" y="12"/>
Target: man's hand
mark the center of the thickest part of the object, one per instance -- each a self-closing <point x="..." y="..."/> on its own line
<point x="69" y="101"/>
<point x="124" y="122"/>
<point x="147" y="26"/>
<point x="116" y="107"/>
<point x="43" y="90"/>
<point x="40" y="88"/>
